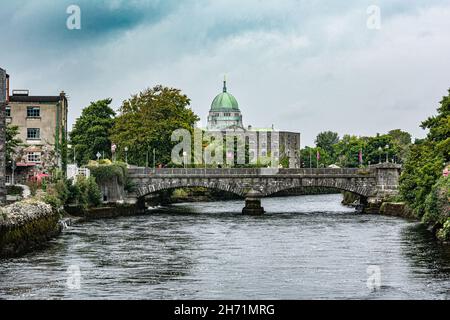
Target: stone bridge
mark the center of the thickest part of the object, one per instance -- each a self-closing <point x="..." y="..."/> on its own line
<point x="373" y="184"/>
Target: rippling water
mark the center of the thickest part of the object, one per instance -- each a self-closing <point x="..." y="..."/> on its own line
<point x="306" y="247"/>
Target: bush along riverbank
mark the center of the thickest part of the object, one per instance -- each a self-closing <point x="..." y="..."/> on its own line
<point x="26" y="226"/>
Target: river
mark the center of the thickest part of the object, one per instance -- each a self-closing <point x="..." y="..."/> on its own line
<point x="308" y="247"/>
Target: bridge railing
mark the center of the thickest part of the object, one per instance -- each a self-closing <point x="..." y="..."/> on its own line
<point x="247" y="171"/>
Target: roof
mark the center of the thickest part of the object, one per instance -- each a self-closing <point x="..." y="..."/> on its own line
<point x="39" y="99"/>
<point x="225" y="101"/>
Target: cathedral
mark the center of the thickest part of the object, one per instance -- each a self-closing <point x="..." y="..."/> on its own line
<point x="225" y="115"/>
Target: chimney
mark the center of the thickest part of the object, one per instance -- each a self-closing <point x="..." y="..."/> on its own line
<point x="7" y="88"/>
<point x="21" y="93"/>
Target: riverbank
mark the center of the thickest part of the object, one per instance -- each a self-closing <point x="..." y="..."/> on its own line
<point x="26" y="226"/>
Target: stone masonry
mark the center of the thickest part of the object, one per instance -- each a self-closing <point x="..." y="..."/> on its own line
<point x="2" y="137"/>
<point x="373" y="185"/>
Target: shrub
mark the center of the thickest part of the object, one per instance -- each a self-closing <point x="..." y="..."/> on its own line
<point x="437" y="203"/>
<point x="52" y="200"/>
<point x="105" y="173"/>
<point x="14" y="190"/>
<point x="444" y="233"/>
<point x="86" y="192"/>
<point x="94" y="193"/>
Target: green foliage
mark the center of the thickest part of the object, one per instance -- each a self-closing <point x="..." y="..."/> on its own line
<point x="419" y="184"/>
<point x="327" y="140"/>
<point x="12" y="142"/>
<point x="90" y="133"/>
<point x="437" y="207"/>
<point x="347" y="150"/>
<point x="94" y="193"/>
<point x="146" y="122"/>
<point x="308" y="158"/>
<point x="108" y="172"/>
<point x="444" y="233"/>
<point x="52" y="200"/>
<point x="14" y="190"/>
<point x="85" y="192"/>
<point x="420" y="172"/>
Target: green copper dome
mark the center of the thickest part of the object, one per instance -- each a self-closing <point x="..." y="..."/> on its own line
<point x="225" y="101"/>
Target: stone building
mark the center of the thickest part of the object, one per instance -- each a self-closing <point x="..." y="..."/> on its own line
<point x="3" y="100"/>
<point x="42" y="122"/>
<point x="225" y="115"/>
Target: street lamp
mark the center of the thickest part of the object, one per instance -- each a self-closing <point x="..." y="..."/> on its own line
<point x="126" y="155"/>
<point x="380" y="151"/>
<point x="185" y="158"/>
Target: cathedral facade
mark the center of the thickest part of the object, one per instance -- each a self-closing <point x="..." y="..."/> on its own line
<point x="225" y="116"/>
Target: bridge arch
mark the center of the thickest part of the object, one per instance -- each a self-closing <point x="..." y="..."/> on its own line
<point x="338" y="184"/>
<point x="145" y="190"/>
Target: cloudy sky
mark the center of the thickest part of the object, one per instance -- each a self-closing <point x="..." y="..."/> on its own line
<point x="302" y="65"/>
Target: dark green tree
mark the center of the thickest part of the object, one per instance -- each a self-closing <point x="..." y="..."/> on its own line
<point x="426" y="159"/>
<point x="12" y="142"/>
<point x="147" y="121"/>
<point x="90" y="133"/>
<point x="439" y="128"/>
<point x="327" y="140"/>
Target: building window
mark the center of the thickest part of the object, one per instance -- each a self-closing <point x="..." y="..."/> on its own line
<point x="34" y="157"/>
<point x="8" y="111"/>
<point x="33" y="112"/>
<point x="8" y="179"/>
<point x="227" y="114"/>
<point x="33" y="134"/>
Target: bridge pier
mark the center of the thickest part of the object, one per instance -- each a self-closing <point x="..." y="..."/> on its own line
<point x="253" y="204"/>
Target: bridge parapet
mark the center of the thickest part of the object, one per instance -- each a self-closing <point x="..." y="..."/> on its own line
<point x="373" y="184"/>
<point x="251" y="172"/>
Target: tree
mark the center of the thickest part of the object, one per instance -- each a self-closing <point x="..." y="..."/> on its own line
<point x="308" y="158"/>
<point x="426" y="159"/>
<point x="420" y="172"/>
<point x="327" y="140"/>
<point x="12" y="142"/>
<point x="347" y="151"/>
<point x="90" y="133"/>
<point x="402" y="142"/>
<point x="439" y="127"/>
<point x="147" y="121"/>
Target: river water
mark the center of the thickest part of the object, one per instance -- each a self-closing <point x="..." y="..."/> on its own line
<point x="308" y="247"/>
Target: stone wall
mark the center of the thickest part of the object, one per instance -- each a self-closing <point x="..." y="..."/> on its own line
<point x="25" y="226"/>
<point x="2" y="136"/>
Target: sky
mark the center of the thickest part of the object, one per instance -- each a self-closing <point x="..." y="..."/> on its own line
<point x="300" y="65"/>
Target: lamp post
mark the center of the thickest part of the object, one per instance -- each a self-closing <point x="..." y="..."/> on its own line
<point x="113" y="152"/>
<point x="185" y="159"/>
<point x="380" y="151"/>
<point x="126" y="155"/>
